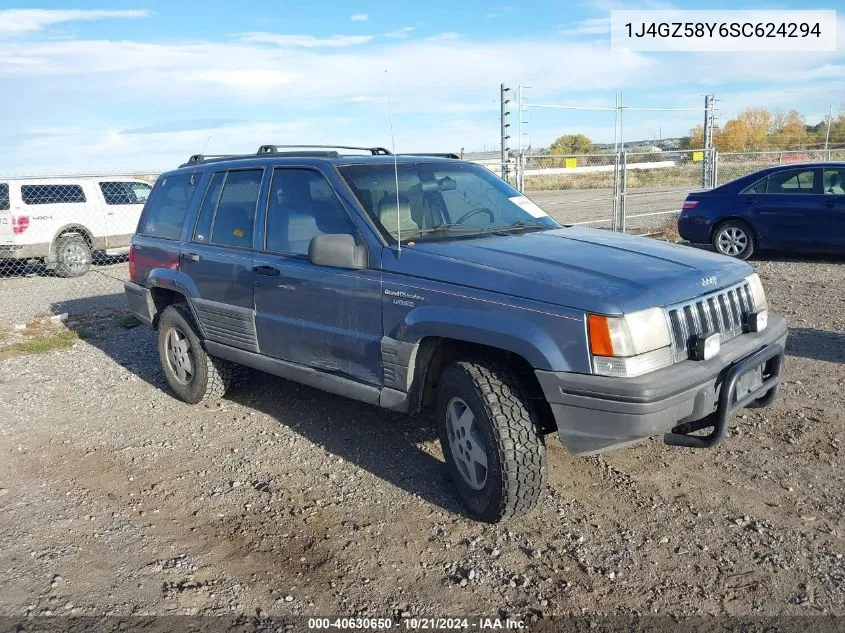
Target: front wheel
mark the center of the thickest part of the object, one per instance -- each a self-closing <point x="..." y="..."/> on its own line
<point x="734" y="238"/>
<point x="192" y="374"/>
<point x="489" y="432"/>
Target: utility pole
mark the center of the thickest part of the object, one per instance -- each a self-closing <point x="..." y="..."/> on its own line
<point x="707" y="174"/>
<point x="505" y="118"/>
<point x="829" y="120"/>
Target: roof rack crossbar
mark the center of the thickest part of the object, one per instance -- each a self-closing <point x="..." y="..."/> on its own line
<point x="432" y="154"/>
<point x="274" y="149"/>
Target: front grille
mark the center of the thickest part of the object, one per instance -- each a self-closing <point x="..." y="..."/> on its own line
<point x="724" y="312"/>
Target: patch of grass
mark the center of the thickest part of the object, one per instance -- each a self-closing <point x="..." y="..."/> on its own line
<point x="127" y="321"/>
<point x="681" y="176"/>
<point x="53" y="342"/>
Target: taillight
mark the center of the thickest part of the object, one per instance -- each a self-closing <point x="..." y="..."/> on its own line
<point x="20" y="224"/>
<point x="690" y="204"/>
<point x="132" y="262"/>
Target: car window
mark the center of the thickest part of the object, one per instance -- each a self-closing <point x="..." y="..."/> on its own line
<point x="439" y="200"/>
<point x="302" y="205"/>
<point x="202" y="230"/>
<point x="116" y="192"/>
<point x="52" y="194"/>
<point x="4" y="196"/>
<point x="792" y="182"/>
<point x="833" y="182"/>
<point x="234" y="217"/>
<point x="757" y="187"/>
<point x="168" y="205"/>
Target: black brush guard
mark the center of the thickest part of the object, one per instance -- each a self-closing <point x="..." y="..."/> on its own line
<point x="763" y="395"/>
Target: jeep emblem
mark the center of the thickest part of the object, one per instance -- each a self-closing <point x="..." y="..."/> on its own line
<point x="708" y="281"/>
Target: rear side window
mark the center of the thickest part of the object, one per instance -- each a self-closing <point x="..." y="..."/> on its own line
<point x="757" y="187"/>
<point x="792" y="182"/>
<point x="115" y="193"/>
<point x="234" y="217"/>
<point x="168" y="205"/>
<point x="52" y="194"/>
<point x="4" y="196"/>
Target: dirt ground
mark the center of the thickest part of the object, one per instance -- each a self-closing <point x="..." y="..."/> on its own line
<point x="115" y="498"/>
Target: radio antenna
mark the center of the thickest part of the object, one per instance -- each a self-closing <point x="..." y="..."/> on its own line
<point x="395" y="165"/>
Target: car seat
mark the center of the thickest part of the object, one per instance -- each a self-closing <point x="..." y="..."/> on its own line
<point x="393" y="221"/>
<point x="834" y="185"/>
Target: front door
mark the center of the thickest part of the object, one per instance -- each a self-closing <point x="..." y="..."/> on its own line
<point x="833" y="184"/>
<point x="123" y="201"/>
<point x="323" y="317"/>
<point x="218" y="258"/>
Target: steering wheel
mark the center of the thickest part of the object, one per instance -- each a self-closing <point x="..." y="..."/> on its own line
<point x="469" y="214"/>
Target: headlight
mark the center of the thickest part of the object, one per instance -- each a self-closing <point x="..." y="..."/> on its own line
<point x="757" y="292"/>
<point x="630" y="345"/>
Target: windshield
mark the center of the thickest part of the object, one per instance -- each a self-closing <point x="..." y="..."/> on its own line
<point x="442" y="200"/>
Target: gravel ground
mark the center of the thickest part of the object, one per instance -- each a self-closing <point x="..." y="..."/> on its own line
<point x="115" y="498"/>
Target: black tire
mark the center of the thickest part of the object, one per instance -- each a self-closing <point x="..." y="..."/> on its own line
<point x="734" y="238"/>
<point x="506" y="420"/>
<point x="209" y="378"/>
<point x="73" y="256"/>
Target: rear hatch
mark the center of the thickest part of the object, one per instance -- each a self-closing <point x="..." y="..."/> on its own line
<point x="6" y="233"/>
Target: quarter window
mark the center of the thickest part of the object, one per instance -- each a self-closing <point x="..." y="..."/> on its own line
<point x="52" y="194"/>
<point x="302" y="205"/>
<point x="757" y="187"/>
<point x="234" y="218"/>
<point x="4" y="197"/>
<point x="115" y="193"/>
<point x="792" y="182"/>
<point x="168" y="205"/>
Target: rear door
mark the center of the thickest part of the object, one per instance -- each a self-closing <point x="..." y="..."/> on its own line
<point x="790" y="213"/>
<point x="123" y="201"/>
<point x="218" y="258"/>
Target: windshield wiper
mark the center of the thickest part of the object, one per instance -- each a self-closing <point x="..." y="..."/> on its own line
<point x="445" y="227"/>
<point x="516" y="226"/>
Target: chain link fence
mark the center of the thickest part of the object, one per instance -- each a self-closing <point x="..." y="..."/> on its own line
<point x="730" y="165"/>
<point x="64" y="238"/>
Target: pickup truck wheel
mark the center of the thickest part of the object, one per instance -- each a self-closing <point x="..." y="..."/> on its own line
<point x="490" y="436"/>
<point x="734" y="238"/>
<point x="73" y="256"/>
<point x="192" y="374"/>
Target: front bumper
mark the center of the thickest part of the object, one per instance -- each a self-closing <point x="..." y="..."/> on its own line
<point x="599" y="413"/>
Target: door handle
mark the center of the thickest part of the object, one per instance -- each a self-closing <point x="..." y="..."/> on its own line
<point x="830" y="203"/>
<point x="266" y="270"/>
<point x="749" y="201"/>
<point x="192" y="256"/>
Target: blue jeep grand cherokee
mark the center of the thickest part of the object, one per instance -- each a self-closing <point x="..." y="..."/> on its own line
<point x="422" y="282"/>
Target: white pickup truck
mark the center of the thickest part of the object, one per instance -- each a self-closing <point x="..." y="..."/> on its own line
<point x="64" y="221"/>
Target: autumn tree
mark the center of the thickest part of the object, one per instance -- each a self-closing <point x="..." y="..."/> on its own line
<point x="789" y="131"/>
<point x="571" y="144"/>
<point x="695" y="140"/>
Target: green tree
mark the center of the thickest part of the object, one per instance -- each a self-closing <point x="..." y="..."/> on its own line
<point x="571" y="144"/>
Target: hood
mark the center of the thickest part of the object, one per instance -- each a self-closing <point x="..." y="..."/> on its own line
<point x="586" y="269"/>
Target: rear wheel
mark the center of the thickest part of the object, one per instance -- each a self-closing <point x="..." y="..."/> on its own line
<point x="489" y="432"/>
<point x="73" y="256"/>
<point x="735" y="239"/>
<point x="192" y="374"/>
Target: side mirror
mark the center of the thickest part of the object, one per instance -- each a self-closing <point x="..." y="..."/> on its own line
<point x="338" y="251"/>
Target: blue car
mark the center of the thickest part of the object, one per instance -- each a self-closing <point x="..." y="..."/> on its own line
<point x="795" y="207"/>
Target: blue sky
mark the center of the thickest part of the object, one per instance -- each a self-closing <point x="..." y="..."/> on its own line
<point x="135" y="85"/>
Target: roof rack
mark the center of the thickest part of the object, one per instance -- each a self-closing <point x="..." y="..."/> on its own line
<point x="432" y="154"/>
<point x="274" y="149"/>
<point x="316" y="151"/>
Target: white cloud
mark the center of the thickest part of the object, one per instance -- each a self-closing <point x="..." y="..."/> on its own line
<point x="405" y="31"/>
<point x="444" y="37"/>
<point x="590" y="26"/>
<point x="20" y="21"/>
<point x="359" y="17"/>
<point x="305" y="41"/>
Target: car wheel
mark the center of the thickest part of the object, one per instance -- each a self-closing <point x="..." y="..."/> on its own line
<point x="192" y="374"/>
<point x="490" y="436"/>
<point x="735" y="239"/>
<point x="73" y="256"/>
